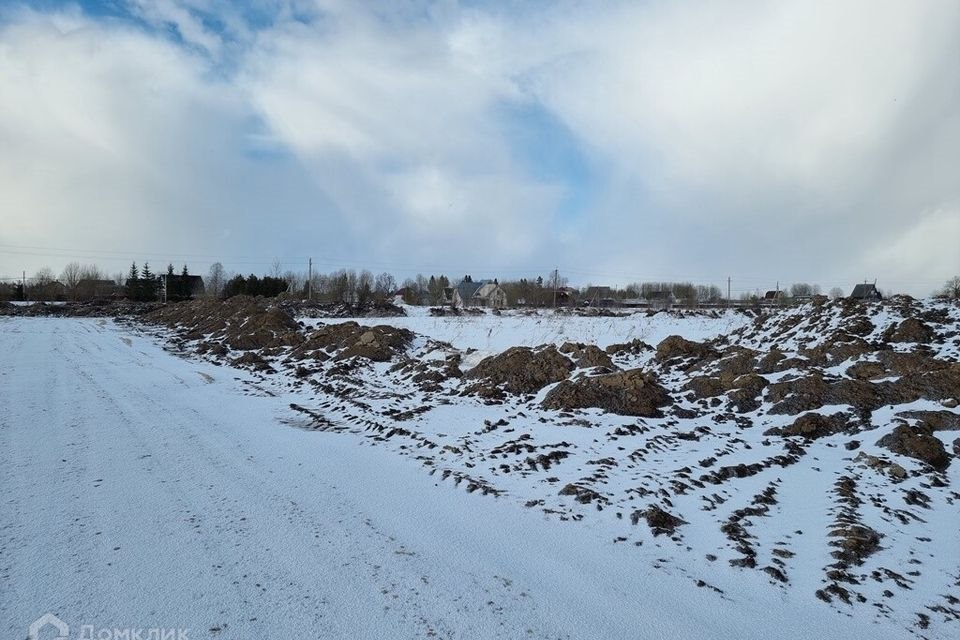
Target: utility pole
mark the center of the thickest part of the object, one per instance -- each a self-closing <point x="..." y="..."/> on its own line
<point x="310" y="279"/>
<point x="729" y="301"/>
<point x="23" y="284"/>
<point x="556" y="283"/>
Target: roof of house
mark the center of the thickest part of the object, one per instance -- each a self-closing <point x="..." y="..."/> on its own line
<point x="471" y="288"/>
<point x="659" y="295"/>
<point x="468" y="288"/>
<point x="865" y="290"/>
<point x="598" y="292"/>
<point x="773" y="294"/>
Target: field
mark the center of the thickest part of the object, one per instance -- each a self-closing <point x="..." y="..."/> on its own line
<point x="234" y="469"/>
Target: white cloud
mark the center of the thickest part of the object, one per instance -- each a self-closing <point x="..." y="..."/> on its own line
<point x="414" y="116"/>
<point x="790" y="141"/>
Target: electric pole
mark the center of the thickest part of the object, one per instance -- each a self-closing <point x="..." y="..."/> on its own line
<point x="310" y="279"/>
<point x="728" y="291"/>
<point x="556" y="283"/>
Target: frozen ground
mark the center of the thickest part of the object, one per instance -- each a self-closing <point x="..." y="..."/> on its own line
<point x="141" y="489"/>
<point x="488" y="333"/>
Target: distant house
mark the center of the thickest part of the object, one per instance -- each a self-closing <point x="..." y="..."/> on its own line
<point x="411" y="295"/>
<point x="773" y="295"/>
<point x="661" y="300"/>
<point x="866" y="292"/>
<point x="478" y="293"/>
<point x="566" y="296"/>
<point x="90" y="289"/>
<point x="54" y="290"/>
<point x="598" y="297"/>
<point x="182" y="287"/>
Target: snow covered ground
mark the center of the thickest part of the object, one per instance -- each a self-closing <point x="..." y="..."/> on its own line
<point x="141" y="489"/>
<point x="488" y="333"/>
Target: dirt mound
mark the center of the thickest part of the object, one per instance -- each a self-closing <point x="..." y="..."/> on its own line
<point x="241" y="322"/>
<point x="679" y="347"/>
<point x="934" y="420"/>
<point x="742" y="389"/>
<point x="88" y="309"/>
<point x="745" y="390"/>
<point x="911" y="330"/>
<point x="837" y="348"/>
<point x="314" y="309"/>
<point x="519" y="370"/>
<point x="814" y="425"/>
<point x="587" y="355"/>
<point x="916" y="443"/>
<point x="251" y="360"/>
<point x="737" y="361"/>
<point x="867" y="370"/>
<point x="854" y="543"/>
<point x="772" y="362"/>
<point x="705" y="386"/>
<point x="812" y="392"/>
<point x="634" y="347"/>
<point x="631" y="393"/>
<point x="658" y="520"/>
<point x="350" y="339"/>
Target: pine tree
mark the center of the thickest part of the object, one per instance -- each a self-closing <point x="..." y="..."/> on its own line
<point x="170" y="284"/>
<point x="186" y="291"/>
<point x="148" y="284"/>
<point x="133" y="282"/>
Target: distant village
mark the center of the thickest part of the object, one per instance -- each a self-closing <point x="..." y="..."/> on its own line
<point x="363" y="288"/>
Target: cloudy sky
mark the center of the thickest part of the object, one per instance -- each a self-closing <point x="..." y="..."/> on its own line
<point x="618" y="141"/>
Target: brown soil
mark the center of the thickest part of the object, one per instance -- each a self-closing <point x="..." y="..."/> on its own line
<point x="632" y="393"/>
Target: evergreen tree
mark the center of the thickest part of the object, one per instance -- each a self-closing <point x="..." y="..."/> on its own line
<point x="171" y="285"/>
<point x="186" y="291"/>
<point x="133" y="282"/>
<point x="148" y="284"/>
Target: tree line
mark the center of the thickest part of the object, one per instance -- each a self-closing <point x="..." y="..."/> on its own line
<point x="363" y="288"/>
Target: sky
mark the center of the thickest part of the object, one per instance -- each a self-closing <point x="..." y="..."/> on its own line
<point x="767" y="142"/>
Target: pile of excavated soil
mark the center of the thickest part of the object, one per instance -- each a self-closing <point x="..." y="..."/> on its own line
<point x="88" y="309"/>
<point x="917" y="443"/>
<point x="677" y="347"/>
<point x="349" y="339"/>
<point x="241" y="322"/>
<point x="631" y="393"/>
<point x="519" y="370"/>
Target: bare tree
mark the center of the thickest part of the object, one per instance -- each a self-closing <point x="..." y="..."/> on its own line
<point x="836" y="293"/>
<point x="215" y="280"/>
<point x="364" y="288"/>
<point x="70" y="277"/>
<point x="87" y="286"/>
<point x="804" y="290"/>
<point x="296" y="282"/>
<point x="384" y="287"/>
<point x="43" y="277"/>
<point x="951" y="288"/>
<point x="41" y="285"/>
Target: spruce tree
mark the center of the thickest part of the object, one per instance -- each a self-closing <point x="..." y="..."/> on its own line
<point x="133" y="282"/>
<point x="148" y="284"/>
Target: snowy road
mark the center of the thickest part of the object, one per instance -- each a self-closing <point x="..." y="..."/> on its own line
<point x="143" y="490"/>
